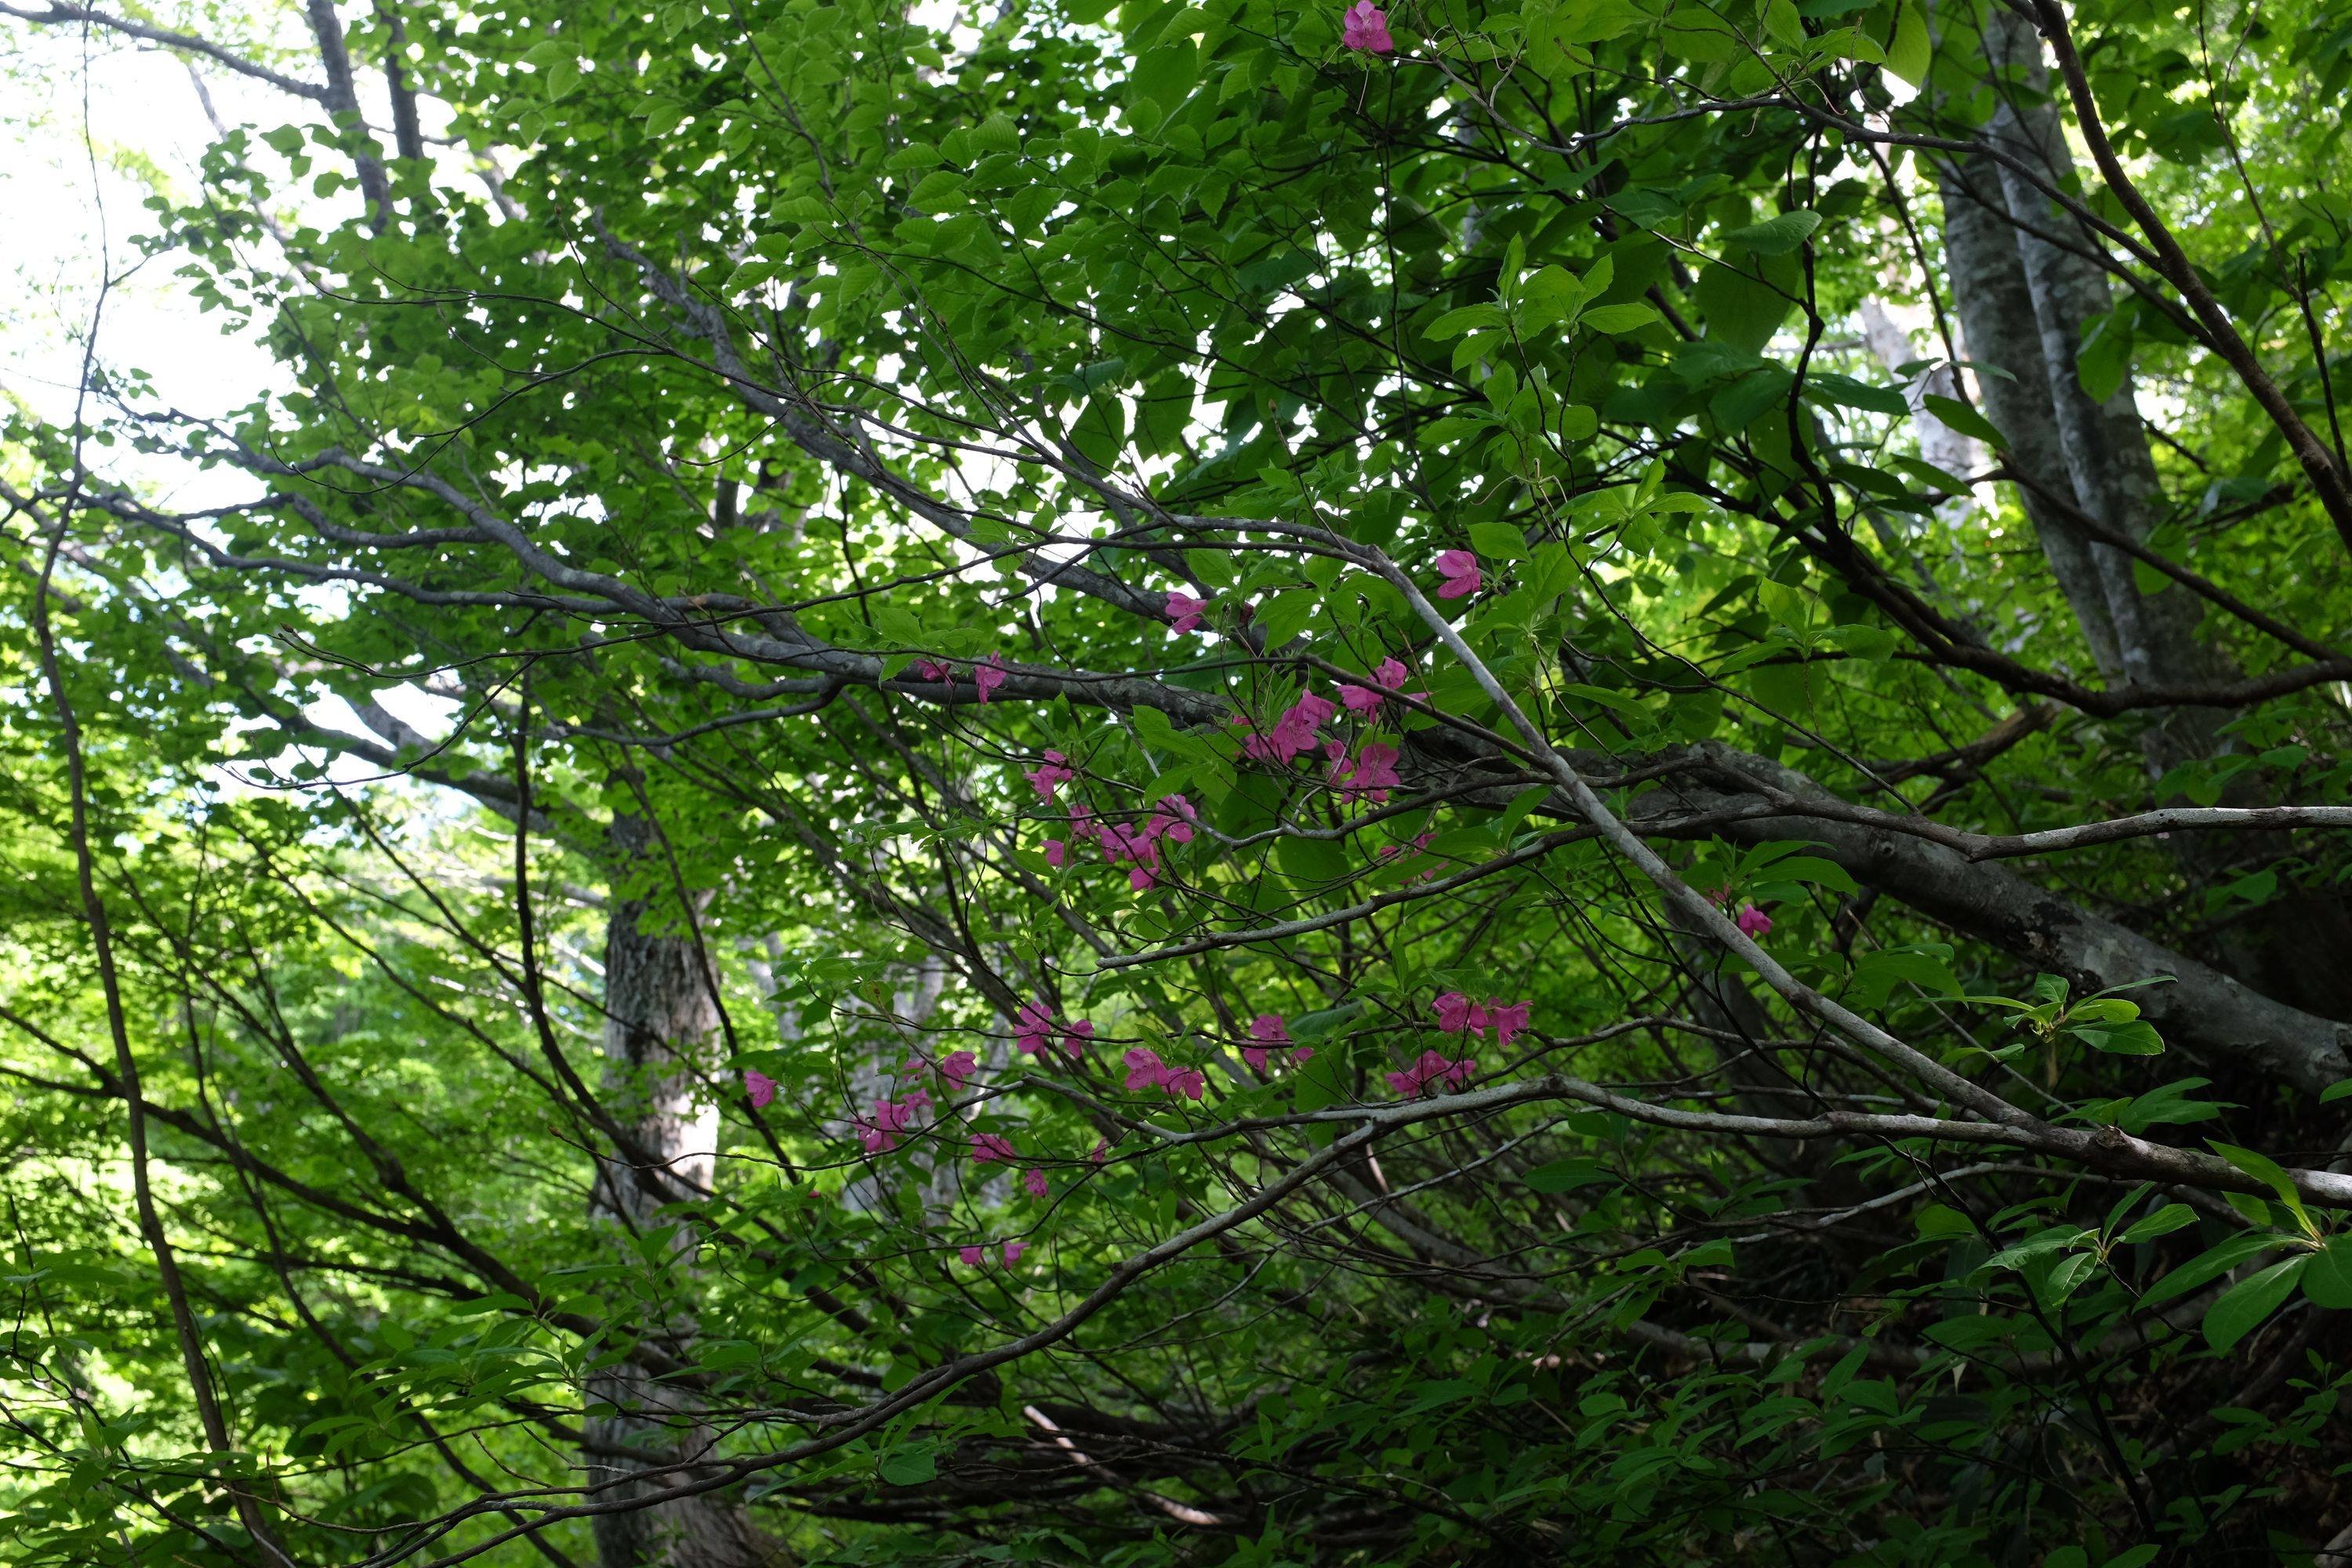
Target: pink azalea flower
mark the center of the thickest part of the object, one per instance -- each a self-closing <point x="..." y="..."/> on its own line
<point x="1012" y="1251"/>
<point x="1175" y="818"/>
<point x="1292" y="733"/>
<point x="1184" y="612"/>
<point x="1076" y="1037"/>
<point x="1388" y="679"/>
<point x="760" y="1087"/>
<point x="879" y="1133"/>
<point x="1101" y="1150"/>
<point x="957" y="1070"/>
<point x="988" y="677"/>
<point x="1049" y="774"/>
<point x="930" y="669"/>
<point x="1144" y="1068"/>
<point x="1189" y="1082"/>
<point x="1030" y="1024"/>
<point x="917" y="1099"/>
<point x="1034" y="1180"/>
<point x="1370" y="777"/>
<point x="970" y="1254"/>
<point x="1458" y="1014"/>
<point x="1432" y="1073"/>
<point x="1140" y="881"/>
<point x="993" y="1148"/>
<point x="1055" y="853"/>
<point x="1508" y="1019"/>
<point x="1366" y="28"/>
<point x="1754" y="923"/>
<point x="1267" y="1031"/>
<point x="1460" y="570"/>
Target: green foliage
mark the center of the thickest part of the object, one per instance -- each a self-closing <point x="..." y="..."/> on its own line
<point x="798" y="367"/>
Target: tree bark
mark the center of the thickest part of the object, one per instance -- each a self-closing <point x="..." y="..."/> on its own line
<point x="661" y="1022"/>
<point x="1997" y="315"/>
<point x="2201" y="1010"/>
<point x="2105" y="446"/>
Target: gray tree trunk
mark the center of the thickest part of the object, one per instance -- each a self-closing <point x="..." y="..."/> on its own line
<point x="662" y="1020"/>
<point x="1997" y="315"/>
<point x="2105" y="446"/>
<point x="2027" y="284"/>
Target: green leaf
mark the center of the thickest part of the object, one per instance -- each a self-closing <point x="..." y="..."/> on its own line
<point x="1285" y="616"/>
<point x="1846" y="390"/>
<point x="2163" y="1222"/>
<point x="1461" y="320"/>
<point x="1314" y="861"/>
<point x="2104" y="360"/>
<point x="996" y="134"/>
<point x="2057" y="1239"/>
<point x="1776" y="236"/>
<point x="2135" y="1038"/>
<point x="1960" y="416"/>
<point x="1876" y="973"/>
<point x="2266" y="1171"/>
<point x="1625" y="318"/>
<point x="2327" y="1277"/>
<point x="1163" y="78"/>
<point x="2244" y="1304"/>
<point x="1909" y="50"/>
<point x="910" y="1467"/>
<point x="1311" y="1026"/>
<point x="1499" y="540"/>
<point x="1814" y="869"/>
<point x="1565" y="1175"/>
<point x="2210" y="1264"/>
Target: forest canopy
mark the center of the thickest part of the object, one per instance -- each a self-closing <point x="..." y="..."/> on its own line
<point x="1230" y="783"/>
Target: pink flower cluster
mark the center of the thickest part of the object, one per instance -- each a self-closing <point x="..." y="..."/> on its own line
<point x="1459" y="569"/>
<point x="879" y="1133"/>
<point x="1369" y="776"/>
<point x="1033" y="1029"/>
<point x="1294" y="734"/>
<point x="1184" y="612"/>
<point x="987" y="675"/>
<point x="1146" y="1070"/>
<point x="974" y="1255"/>
<point x="955" y="1071"/>
<point x="1420" y="846"/>
<point x="1135" y="845"/>
<point x="1456" y="1014"/>
<point x="1431" y="1074"/>
<point x="1047" y="775"/>
<point x="1268" y="1032"/>
<point x="1753" y="924"/>
<point x="1365" y="28"/>
<point x="1388" y="679"/>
